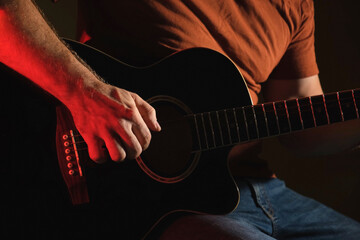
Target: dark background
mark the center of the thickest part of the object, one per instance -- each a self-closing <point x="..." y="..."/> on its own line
<point x="333" y="180"/>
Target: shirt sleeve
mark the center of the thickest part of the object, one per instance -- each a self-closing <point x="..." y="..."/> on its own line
<point x="299" y="59"/>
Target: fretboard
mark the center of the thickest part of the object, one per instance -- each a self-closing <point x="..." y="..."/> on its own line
<point x="236" y="125"/>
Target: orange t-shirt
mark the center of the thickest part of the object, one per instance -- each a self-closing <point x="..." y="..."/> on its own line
<point x="262" y="37"/>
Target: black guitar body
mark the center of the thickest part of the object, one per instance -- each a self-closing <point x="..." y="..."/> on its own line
<point x="125" y="199"/>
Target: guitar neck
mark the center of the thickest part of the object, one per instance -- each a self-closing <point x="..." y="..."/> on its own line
<point x="237" y="125"/>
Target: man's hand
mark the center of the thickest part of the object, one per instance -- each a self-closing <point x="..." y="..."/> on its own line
<point x="118" y="119"/>
<point x="319" y="141"/>
<point x="104" y="115"/>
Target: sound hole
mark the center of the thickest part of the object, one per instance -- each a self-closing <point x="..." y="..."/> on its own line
<point x="169" y="154"/>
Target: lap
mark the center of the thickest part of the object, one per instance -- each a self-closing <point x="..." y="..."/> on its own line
<point x="201" y="227"/>
<point x="267" y="210"/>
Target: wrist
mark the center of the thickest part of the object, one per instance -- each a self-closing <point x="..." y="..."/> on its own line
<point x="81" y="90"/>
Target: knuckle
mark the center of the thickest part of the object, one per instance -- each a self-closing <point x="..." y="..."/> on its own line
<point x="148" y="108"/>
<point x="152" y="111"/>
<point x="147" y="140"/>
<point x="122" y="124"/>
<point x="129" y="113"/>
<point x="134" y="95"/>
<point x="126" y="112"/>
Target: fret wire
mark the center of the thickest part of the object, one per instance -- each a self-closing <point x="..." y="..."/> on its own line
<point x="261" y="121"/>
<point x="287" y="115"/>
<point x="203" y="122"/>
<point x="220" y="130"/>
<point x="277" y="118"/>
<point x="256" y="123"/>
<point x="344" y="98"/>
<point x="212" y="128"/>
<point x="326" y="111"/>
<point x="356" y="106"/>
<point x="333" y="107"/>
<point x="356" y="93"/>
<point x="271" y="119"/>
<point x="347" y="104"/>
<point x="266" y="121"/>
<point x="228" y="126"/>
<point x="197" y="131"/>
<point x="301" y="119"/>
<point x="341" y="111"/>
<point x="237" y="125"/>
<point x="246" y="125"/>
<point x="312" y="111"/>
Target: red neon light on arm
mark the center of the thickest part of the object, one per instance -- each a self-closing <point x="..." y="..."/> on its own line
<point x="31" y="47"/>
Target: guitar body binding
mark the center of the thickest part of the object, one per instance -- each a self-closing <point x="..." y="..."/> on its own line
<point x="174" y="161"/>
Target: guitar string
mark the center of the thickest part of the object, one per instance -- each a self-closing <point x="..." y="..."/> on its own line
<point x="176" y="121"/>
<point x="193" y="115"/>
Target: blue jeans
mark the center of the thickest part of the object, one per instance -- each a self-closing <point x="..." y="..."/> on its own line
<point x="267" y="210"/>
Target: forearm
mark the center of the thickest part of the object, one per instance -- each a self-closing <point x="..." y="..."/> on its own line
<point x="325" y="140"/>
<point x="104" y="114"/>
<point x="30" y="46"/>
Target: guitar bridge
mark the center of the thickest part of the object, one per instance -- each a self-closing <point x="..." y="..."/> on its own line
<point x="72" y="154"/>
<point x="68" y="156"/>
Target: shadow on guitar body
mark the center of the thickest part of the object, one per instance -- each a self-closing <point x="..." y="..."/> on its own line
<point x="185" y="168"/>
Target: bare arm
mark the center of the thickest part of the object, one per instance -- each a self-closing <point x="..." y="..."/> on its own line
<point x="102" y="113"/>
<point x="325" y="140"/>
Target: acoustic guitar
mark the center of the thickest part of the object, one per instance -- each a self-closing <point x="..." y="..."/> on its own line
<point x="185" y="167"/>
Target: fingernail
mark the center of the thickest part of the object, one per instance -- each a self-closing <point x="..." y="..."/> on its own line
<point x="158" y="127"/>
